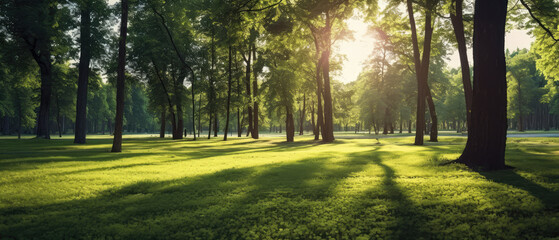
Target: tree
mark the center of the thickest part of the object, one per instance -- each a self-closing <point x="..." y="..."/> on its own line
<point x="93" y="15"/>
<point x="485" y="147"/>
<point x="117" y="142"/>
<point x="36" y="23"/>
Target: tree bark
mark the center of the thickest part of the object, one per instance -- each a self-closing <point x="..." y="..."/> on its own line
<point x="420" y="119"/>
<point x="328" y="127"/>
<point x="458" y="25"/>
<point x="83" y="75"/>
<point x="117" y="141"/>
<point x="228" y="96"/>
<point x="255" y="96"/>
<point x="302" y="121"/>
<point x="485" y="148"/>
<point x="289" y="125"/>
<point x="247" y="83"/>
<point x="162" y="129"/>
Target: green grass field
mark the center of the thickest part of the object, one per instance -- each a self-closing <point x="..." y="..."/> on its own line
<point x="269" y="189"/>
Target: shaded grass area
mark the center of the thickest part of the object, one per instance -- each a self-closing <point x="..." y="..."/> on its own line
<point x="269" y="189"/>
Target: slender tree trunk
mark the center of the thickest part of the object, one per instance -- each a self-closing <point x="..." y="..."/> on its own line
<point x="117" y="141"/>
<point x="58" y="116"/>
<point x="193" y="109"/>
<point x="319" y="118"/>
<point x="228" y="96"/>
<point x="216" y="123"/>
<point x="247" y="83"/>
<point x="178" y="104"/>
<point x="486" y="143"/>
<point x="301" y="122"/>
<point x="210" y="125"/>
<point x="162" y="129"/>
<point x="434" y="132"/>
<point x="420" y="119"/>
<point x="458" y="25"/>
<point x="520" y="113"/>
<point x="314" y="129"/>
<point x="83" y="75"/>
<point x="199" y="114"/>
<point x="255" y="96"/>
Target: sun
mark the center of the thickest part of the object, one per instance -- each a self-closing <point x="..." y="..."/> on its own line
<point x="356" y="49"/>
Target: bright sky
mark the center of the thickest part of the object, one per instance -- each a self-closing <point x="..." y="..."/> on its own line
<point x="358" y="50"/>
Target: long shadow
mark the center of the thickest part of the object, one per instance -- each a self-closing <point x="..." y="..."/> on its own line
<point x="233" y="203"/>
<point x="549" y="198"/>
<point x="408" y="220"/>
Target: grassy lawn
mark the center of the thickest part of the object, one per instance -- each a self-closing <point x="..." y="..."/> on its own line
<point x="269" y="189"/>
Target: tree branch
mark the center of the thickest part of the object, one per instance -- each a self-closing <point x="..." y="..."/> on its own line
<point x="539" y="22"/>
<point x="261" y="9"/>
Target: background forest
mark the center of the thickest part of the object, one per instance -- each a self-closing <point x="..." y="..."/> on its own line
<point x="244" y="67"/>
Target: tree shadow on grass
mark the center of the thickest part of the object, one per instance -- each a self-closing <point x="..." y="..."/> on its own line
<point x="245" y="203"/>
<point x="510" y="177"/>
<point x="402" y="218"/>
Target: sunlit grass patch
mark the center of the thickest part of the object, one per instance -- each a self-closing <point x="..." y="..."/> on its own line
<point x="257" y="189"/>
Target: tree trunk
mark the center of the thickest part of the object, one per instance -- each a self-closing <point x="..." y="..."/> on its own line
<point x="319" y="118"/>
<point x="117" y="141"/>
<point x="247" y="83"/>
<point x="255" y="97"/>
<point x="486" y="143"/>
<point x="228" y="97"/>
<point x="301" y="122"/>
<point x="386" y="121"/>
<point x="328" y="127"/>
<point x="420" y="119"/>
<point x="314" y="129"/>
<point x="193" y="109"/>
<point x="289" y="125"/>
<point x="458" y="25"/>
<point x="83" y="75"/>
<point x="216" y="124"/>
<point x="209" y="125"/>
<point x="58" y="116"/>
<point x="434" y="132"/>
<point x="162" y="129"/>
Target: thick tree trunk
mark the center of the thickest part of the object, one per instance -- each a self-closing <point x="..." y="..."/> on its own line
<point x="228" y="96"/>
<point x="328" y="127"/>
<point x="386" y="121"/>
<point x="486" y="143"/>
<point x="43" y="124"/>
<point x="289" y="125"/>
<point x="83" y="75"/>
<point x="458" y="25"/>
<point x="117" y="141"/>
